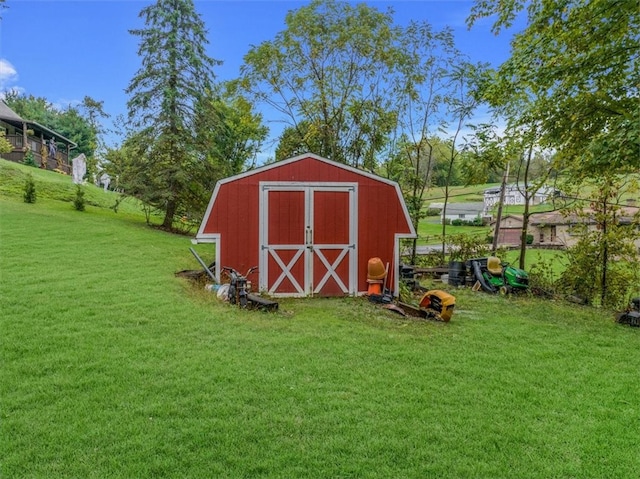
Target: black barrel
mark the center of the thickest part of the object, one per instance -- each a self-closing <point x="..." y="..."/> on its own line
<point x="457" y="273"/>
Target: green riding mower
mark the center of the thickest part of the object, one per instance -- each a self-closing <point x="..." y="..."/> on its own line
<point x="495" y="276"/>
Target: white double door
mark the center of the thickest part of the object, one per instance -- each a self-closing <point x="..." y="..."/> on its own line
<point x="308" y="237"/>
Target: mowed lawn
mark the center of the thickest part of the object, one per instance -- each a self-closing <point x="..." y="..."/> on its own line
<point x="113" y="367"/>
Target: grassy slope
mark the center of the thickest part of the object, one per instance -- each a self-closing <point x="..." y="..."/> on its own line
<point x="55" y="186"/>
<point x="113" y="367"/>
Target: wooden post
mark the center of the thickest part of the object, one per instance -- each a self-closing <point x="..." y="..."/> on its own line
<point x="25" y="138"/>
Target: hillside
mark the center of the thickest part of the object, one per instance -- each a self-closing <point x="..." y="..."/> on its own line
<point x="58" y="187"/>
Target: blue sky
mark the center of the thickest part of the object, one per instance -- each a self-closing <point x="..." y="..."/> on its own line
<point x="64" y="50"/>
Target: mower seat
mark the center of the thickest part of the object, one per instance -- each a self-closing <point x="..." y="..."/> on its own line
<point x="494" y="266"/>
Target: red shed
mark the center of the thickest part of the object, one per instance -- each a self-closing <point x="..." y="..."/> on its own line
<point x="310" y="224"/>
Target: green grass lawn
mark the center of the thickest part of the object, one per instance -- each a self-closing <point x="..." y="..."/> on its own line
<point x="113" y="367"/>
<point x="430" y="230"/>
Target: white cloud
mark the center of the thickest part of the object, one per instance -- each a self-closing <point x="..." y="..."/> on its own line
<point x="8" y="74"/>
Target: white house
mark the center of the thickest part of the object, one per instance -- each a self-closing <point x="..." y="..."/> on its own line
<point x="513" y="195"/>
<point x="463" y="211"/>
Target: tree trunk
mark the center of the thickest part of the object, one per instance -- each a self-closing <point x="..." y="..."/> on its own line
<point x="525" y="215"/>
<point x="496" y="233"/>
<point x="414" y="247"/>
<point x="605" y="253"/>
<point x="446" y="197"/>
<point x="170" y="212"/>
<point x="523" y="237"/>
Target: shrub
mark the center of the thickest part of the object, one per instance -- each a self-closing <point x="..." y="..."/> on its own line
<point x="542" y="276"/>
<point x="584" y="273"/>
<point x="29" y="190"/>
<point x="462" y="247"/>
<point x="28" y="159"/>
<point x="79" y="201"/>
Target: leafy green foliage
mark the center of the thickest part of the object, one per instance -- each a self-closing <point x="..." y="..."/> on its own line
<point x="30" y="195"/>
<point x="29" y="160"/>
<point x="5" y="146"/>
<point x="543" y="276"/>
<point x="297" y="140"/>
<point x="328" y="75"/>
<point x="229" y="132"/>
<point x="583" y="275"/>
<point x="602" y="266"/>
<point x="463" y="247"/>
<point x="460" y="222"/>
<point x="578" y="61"/>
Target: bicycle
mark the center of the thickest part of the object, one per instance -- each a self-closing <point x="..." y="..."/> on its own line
<point x="238" y="286"/>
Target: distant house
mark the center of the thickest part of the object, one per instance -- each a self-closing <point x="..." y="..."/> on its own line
<point x="513" y="195"/>
<point x="510" y="230"/>
<point x="47" y="148"/>
<point x="462" y="211"/>
<point x="555" y="229"/>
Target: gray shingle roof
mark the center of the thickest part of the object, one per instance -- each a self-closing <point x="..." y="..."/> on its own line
<point x="7" y="113"/>
<point x="469" y="208"/>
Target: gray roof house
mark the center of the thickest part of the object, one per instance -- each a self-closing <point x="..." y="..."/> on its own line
<point x="463" y="211"/>
<point x="48" y="149"/>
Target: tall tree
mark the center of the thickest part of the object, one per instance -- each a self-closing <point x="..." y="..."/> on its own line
<point x="582" y="58"/>
<point x="176" y="71"/>
<point x="329" y="70"/>
<point x="94" y="112"/>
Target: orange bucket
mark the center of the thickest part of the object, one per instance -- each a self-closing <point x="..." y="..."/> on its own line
<point x="375" y="287"/>
<point x="375" y="269"/>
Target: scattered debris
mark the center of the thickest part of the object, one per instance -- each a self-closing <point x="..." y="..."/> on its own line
<point x="631" y="315"/>
<point x="204" y="266"/>
<point x="195" y="274"/>
<point x="395" y="308"/>
<point x="435" y="304"/>
<point x="438" y="303"/>
<point x="236" y="292"/>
